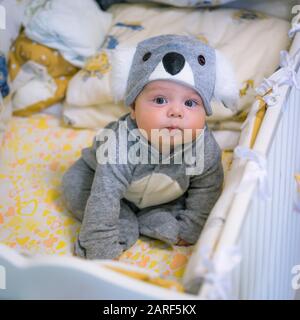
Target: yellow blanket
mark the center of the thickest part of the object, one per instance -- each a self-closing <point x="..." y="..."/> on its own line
<point x="35" y="153"/>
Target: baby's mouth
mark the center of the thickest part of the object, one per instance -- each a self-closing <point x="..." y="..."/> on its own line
<point x="174" y="130"/>
<point x="170" y="128"/>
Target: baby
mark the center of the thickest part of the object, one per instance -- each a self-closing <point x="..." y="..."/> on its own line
<point x="156" y="171"/>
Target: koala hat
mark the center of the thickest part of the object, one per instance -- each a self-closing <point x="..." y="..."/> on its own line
<point x="182" y="59"/>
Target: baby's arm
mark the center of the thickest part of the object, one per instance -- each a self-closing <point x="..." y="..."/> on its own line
<point x="99" y="233"/>
<point x="202" y="194"/>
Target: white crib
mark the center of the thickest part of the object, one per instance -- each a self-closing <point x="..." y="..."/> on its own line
<point x="265" y="232"/>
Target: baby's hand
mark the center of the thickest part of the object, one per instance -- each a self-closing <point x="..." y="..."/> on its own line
<point x="182" y="242"/>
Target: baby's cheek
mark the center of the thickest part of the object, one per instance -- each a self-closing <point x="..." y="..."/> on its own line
<point x="155" y="117"/>
<point x="196" y="126"/>
<point x="195" y="120"/>
<point x="199" y="120"/>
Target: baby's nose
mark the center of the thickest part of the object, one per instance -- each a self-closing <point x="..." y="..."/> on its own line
<point x="175" y="112"/>
<point x="173" y="62"/>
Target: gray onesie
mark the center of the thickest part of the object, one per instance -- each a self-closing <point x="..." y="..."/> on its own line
<point x="118" y="202"/>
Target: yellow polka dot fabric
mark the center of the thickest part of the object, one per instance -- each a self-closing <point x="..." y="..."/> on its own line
<point x="24" y="50"/>
<point x="35" y="153"/>
<point x="169" y="262"/>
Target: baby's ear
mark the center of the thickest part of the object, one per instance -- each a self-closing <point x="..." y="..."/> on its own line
<point x="226" y="87"/>
<point x="121" y="60"/>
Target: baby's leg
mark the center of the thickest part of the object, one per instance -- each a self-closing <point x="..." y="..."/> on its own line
<point x="159" y="222"/>
<point x="76" y="187"/>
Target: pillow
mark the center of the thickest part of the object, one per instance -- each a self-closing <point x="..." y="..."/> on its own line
<point x="277" y="8"/>
<point x="5" y="116"/>
<point x="39" y="76"/>
<point x="4" y="89"/>
<point x="250" y="40"/>
<point x="104" y="4"/>
<point x="74" y="27"/>
<point x="92" y="117"/>
<point x="187" y="3"/>
<point x="5" y="105"/>
<point x="14" y="12"/>
<point x="91" y="85"/>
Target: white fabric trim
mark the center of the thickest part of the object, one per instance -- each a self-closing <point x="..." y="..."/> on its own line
<point x="185" y="75"/>
<point x="153" y="190"/>
<point x="219" y="270"/>
<point x="257" y="170"/>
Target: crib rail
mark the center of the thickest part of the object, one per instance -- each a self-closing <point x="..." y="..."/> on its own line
<point x="64" y="277"/>
<point x="270" y="236"/>
<point x="267" y="232"/>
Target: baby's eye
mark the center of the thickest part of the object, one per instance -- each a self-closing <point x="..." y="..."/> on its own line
<point x="160" y="100"/>
<point x="190" y="103"/>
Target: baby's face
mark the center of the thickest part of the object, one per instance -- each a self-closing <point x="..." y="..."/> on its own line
<point x="171" y="106"/>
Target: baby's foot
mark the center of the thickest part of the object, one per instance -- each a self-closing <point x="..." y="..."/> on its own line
<point x="182" y="243"/>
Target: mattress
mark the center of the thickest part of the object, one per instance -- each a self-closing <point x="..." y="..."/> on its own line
<point x="35" y="153"/>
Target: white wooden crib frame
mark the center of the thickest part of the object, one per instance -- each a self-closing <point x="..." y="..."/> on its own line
<point x="266" y="233"/>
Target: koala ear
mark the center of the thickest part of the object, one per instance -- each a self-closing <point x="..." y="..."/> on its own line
<point x="121" y="61"/>
<point x="226" y="88"/>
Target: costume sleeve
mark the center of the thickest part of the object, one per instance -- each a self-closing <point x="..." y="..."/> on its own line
<point x="201" y="196"/>
<point x="99" y="234"/>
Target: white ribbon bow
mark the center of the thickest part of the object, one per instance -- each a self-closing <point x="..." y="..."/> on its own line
<point x="271" y="98"/>
<point x="257" y="171"/>
<point x="295" y="22"/>
<point x="288" y="76"/>
<point x="295" y="28"/>
<point x="218" y="272"/>
<point x="289" y="65"/>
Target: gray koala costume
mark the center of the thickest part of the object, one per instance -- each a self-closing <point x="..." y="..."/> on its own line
<point x="117" y="202"/>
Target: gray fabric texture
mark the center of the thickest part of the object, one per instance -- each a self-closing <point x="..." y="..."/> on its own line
<point x="95" y="194"/>
<point x="175" y="52"/>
